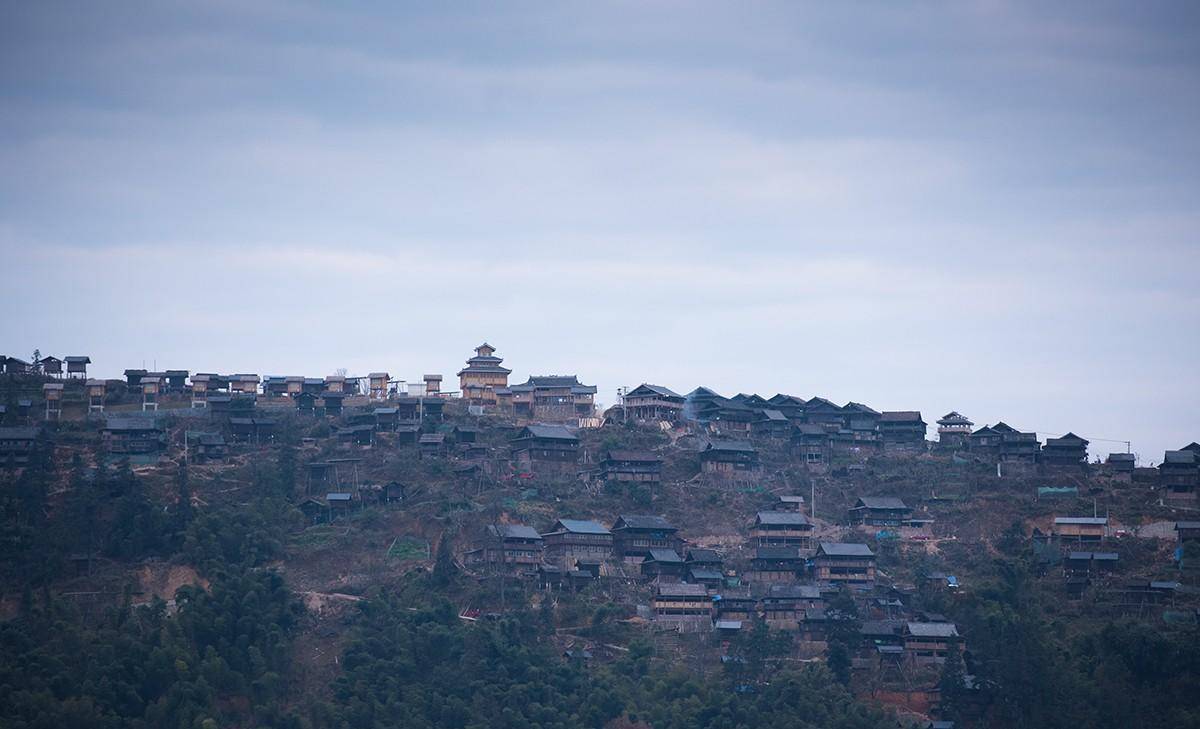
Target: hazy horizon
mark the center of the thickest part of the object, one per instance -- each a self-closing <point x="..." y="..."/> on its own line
<point x="986" y="207"/>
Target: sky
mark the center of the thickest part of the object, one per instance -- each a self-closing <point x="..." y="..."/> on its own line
<point x="988" y="207"/>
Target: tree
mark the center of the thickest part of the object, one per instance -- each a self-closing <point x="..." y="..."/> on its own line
<point x="952" y="686"/>
<point x="444" y="571"/>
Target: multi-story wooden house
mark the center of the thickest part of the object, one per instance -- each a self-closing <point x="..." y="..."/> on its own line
<point x="571" y="540"/>
<point x="776" y="564"/>
<point x="781" y="529"/>
<point x="812" y="444"/>
<point x="926" y="643"/>
<point x="549" y="397"/>
<point x="664" y="565"/>
<point x="16" y="446"/>
<point x="954" y="429"/>
<point x="1081" y="528"/>
<point x="482" y="376"/>
<point x="785" y="607"/>
<point x="77" y="365"/>
<point x="771" y="424"/>
<point x="729" y="458"/>
<point x="682" y="602"/>
<point x="825" y="413"/>
<point x="134" y="435"/>
<point x="880" y="511"/>
<point x="902" y="430"/>
<point x="1068" y="451"/>
<point x="1179" y="474"/>
<point x="631" y="466"/>
<point x="513" y="547"/>
<point x="653" y="403"/>
<point x="635" y="535"/>
<point x="844" y="563"/>
<point x="545" y="445"/>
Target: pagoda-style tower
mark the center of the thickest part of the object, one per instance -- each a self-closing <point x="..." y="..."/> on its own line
<point x="481" y="377"/>
<point x="953" y="430"/>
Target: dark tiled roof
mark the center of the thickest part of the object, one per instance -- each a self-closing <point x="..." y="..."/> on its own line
<point x="638" y="521"/>
<point x="842" y="549"/>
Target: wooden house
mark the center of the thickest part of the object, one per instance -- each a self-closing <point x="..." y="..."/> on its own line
<point x="1121" y="463"/>
<point x="335" y="383"/>
<point x="97" y="391"/>
<point x="293" y="385"/>
<point x="16" y="366"/>
<point x="545" y="444"/>
<point x="707" y="558"/>
<point x="771" y="424"/>
<point x="432" y="409"/>
<point x="133" y="435"/>
<point x="50" y="366"/>
<point x="205" y="384"/>
<point x="880" y="511"/>
<point x="574" y="539"/>
<point x="954" y="429"/>
<point x="1081" y="528"/>
<point x="359" y="435"/>
<point x="663" y="565"/>
<point x="1019" y="447"/>
<point x="16" y="446"/>
<point x="682" y="602"/>
<point x="819" y="411"/>
<point x="275" y="386"/>
<point x="812" y="444"/>
<point x="482" y="376"/>
<point x="465" y="434"/>
<point x="338" y="503"/>
<point x="433" y="385"/>
<point x="926" y="643"/>
<point x="205" y="447"/>
<point x="860" y="418"/>
<point x="786" y="606"/>
<point x="696" y="402"/>
<point x="407" y="434"/>
<point x="377" y="385"/>
<point x="1187" y="531"/>
<point x="776" y="564"/>
<point x="52" y="393"/>
<point x="175" y="381"/>
<point x="631" y="466"/>
<point x="1089" y="564"/>
<point x="844" y="563"/>
<point x="432" y="445"/>
<point x="1179" y="474"/>
<point x="902" y="430"/>
<point x="77" y="365"/>
<point x="133" y="378"/>
<point x="781" y="529"/>
<point x="711" y="578"/>
<point x="634" y="536"/>
<point x="729" y="458"/>
<point x="735" y="604"/>
<point x="386" y="418"/>
<point x="252" y="430"/>
<point x="515" y="547"/>
<point x="1068" y="451"/>
<point x="151" y="386"/>
<point x="244" y="383"/>
<point x="549" y="397"/>
<point x="790" y="502"/>
<point x="791" y="406"/>
<point x="653" y="403"/>
<point x="330" y="404"/>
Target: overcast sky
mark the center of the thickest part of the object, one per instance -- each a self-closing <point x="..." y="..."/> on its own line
<point x="988" y="207"/>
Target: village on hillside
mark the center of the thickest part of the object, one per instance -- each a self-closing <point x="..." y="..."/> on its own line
<point x="701" y="518"/>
